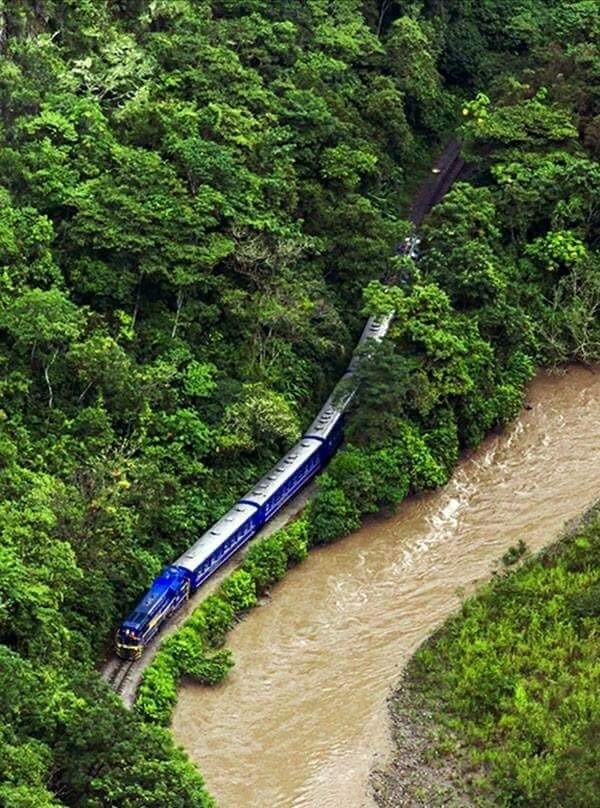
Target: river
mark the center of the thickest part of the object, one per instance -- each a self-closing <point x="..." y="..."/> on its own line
<point x="302" y="718"/>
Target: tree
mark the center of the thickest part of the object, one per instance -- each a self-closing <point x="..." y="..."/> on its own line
<point x="44" y="322"/>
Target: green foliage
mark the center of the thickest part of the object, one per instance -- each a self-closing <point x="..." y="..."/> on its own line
<point x="266" y="563"/>
<point x="213" y="619"/>
<point x="332" y="513"/>
<point x="194" y="198"/>
<point x="240" y="590"/>
<point x="294" y="541"/>
<point x="587" y="604"/>
<point x="515" y="676"/>
<point x="195" y="650"/>
<point x="69" y="734"/>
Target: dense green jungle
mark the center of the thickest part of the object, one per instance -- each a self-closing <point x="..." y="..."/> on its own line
<point x="200" y="201"/>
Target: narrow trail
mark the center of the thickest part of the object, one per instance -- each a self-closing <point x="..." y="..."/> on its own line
<point x="124" y="676"/>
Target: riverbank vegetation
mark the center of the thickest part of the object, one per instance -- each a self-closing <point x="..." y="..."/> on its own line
<point x="510" y="691"/>
<point x="196" y="650"/>
<point x="194" y="197"/>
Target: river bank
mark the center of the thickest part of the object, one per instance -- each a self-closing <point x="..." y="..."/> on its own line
<point x="498" y="726"/>
<point x="300" y="717"/>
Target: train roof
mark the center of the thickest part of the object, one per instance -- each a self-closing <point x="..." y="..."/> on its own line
<point x="375" y="328"/>
<point x="215" y="536"/>
<point x="331" y="412"/>
<point x="203" y="548"/>
<point x="320" y="428"/>
<point x="285" y="468"/>
<point x="153" y="598"/>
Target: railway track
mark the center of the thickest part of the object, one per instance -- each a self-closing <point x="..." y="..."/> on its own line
<point x="444" y="172"/>
<point x="123" y="676"/>
<point x="118" y="673"/>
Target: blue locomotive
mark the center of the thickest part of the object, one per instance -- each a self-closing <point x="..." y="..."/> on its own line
<point x="304" y="460"/>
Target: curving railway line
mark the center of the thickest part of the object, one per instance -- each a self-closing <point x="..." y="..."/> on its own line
<point x="117" y="672"/>
<point x="271" y="503"/>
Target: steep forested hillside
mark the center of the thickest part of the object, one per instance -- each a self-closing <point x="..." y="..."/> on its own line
<point x="193" y="197"/>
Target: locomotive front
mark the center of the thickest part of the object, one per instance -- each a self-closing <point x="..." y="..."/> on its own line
<point x="167" y="593"/>
<point x="128" y="642"/>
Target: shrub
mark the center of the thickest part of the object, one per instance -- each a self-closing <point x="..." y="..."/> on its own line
<point x="239" y="590"/>
<point x="210" y="668"/>
<point x="157" y="694"/>
<point x="423" y="469"/>
<point x="587" y="603"/>
<point x="266" y="562"/>
<point x="216" y="615"/>
<point x="351" y="473"/>
<point x="332" y="514"/>
<point x="390" y="476"/>
<point x="294" y="540"/>
<point x="442" y="439"/>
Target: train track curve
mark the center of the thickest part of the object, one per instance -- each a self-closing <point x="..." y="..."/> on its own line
<point x="124" y="676"/>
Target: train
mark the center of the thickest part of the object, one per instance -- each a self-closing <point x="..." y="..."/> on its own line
<point x="177" y="582"/>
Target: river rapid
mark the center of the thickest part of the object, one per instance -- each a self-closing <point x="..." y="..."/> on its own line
<point x="302" y="718"/>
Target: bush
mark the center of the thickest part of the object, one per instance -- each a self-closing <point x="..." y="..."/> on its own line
<point x="209" y="668"/>
<point x="587" y="603"/>
<point x="266" y="562"/>
<point x="294" y="540"/>
<point x="332" y="514"/>
<point x="239" y="590"/>
<point x="423" y="469"/>
<point x="215" y="618"/>
<point x="390" y="475"/>
<point x="351" y="473"/>
<point x="157" y="694"/>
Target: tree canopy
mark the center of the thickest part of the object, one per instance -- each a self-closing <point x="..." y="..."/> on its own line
<point x="198" y="203"/>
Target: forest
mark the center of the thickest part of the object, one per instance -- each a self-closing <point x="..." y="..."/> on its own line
<point x="199" y="203"/>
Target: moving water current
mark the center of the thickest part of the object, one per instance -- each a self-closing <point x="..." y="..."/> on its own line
<point x="301" y="719"/>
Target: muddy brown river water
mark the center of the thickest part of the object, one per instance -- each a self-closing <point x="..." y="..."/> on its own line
<point x="302" y="718"/>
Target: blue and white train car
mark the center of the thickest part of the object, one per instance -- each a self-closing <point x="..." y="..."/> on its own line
<point x="303" y="461"/>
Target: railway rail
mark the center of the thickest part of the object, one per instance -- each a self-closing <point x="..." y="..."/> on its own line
<point x="117" y="673"/>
